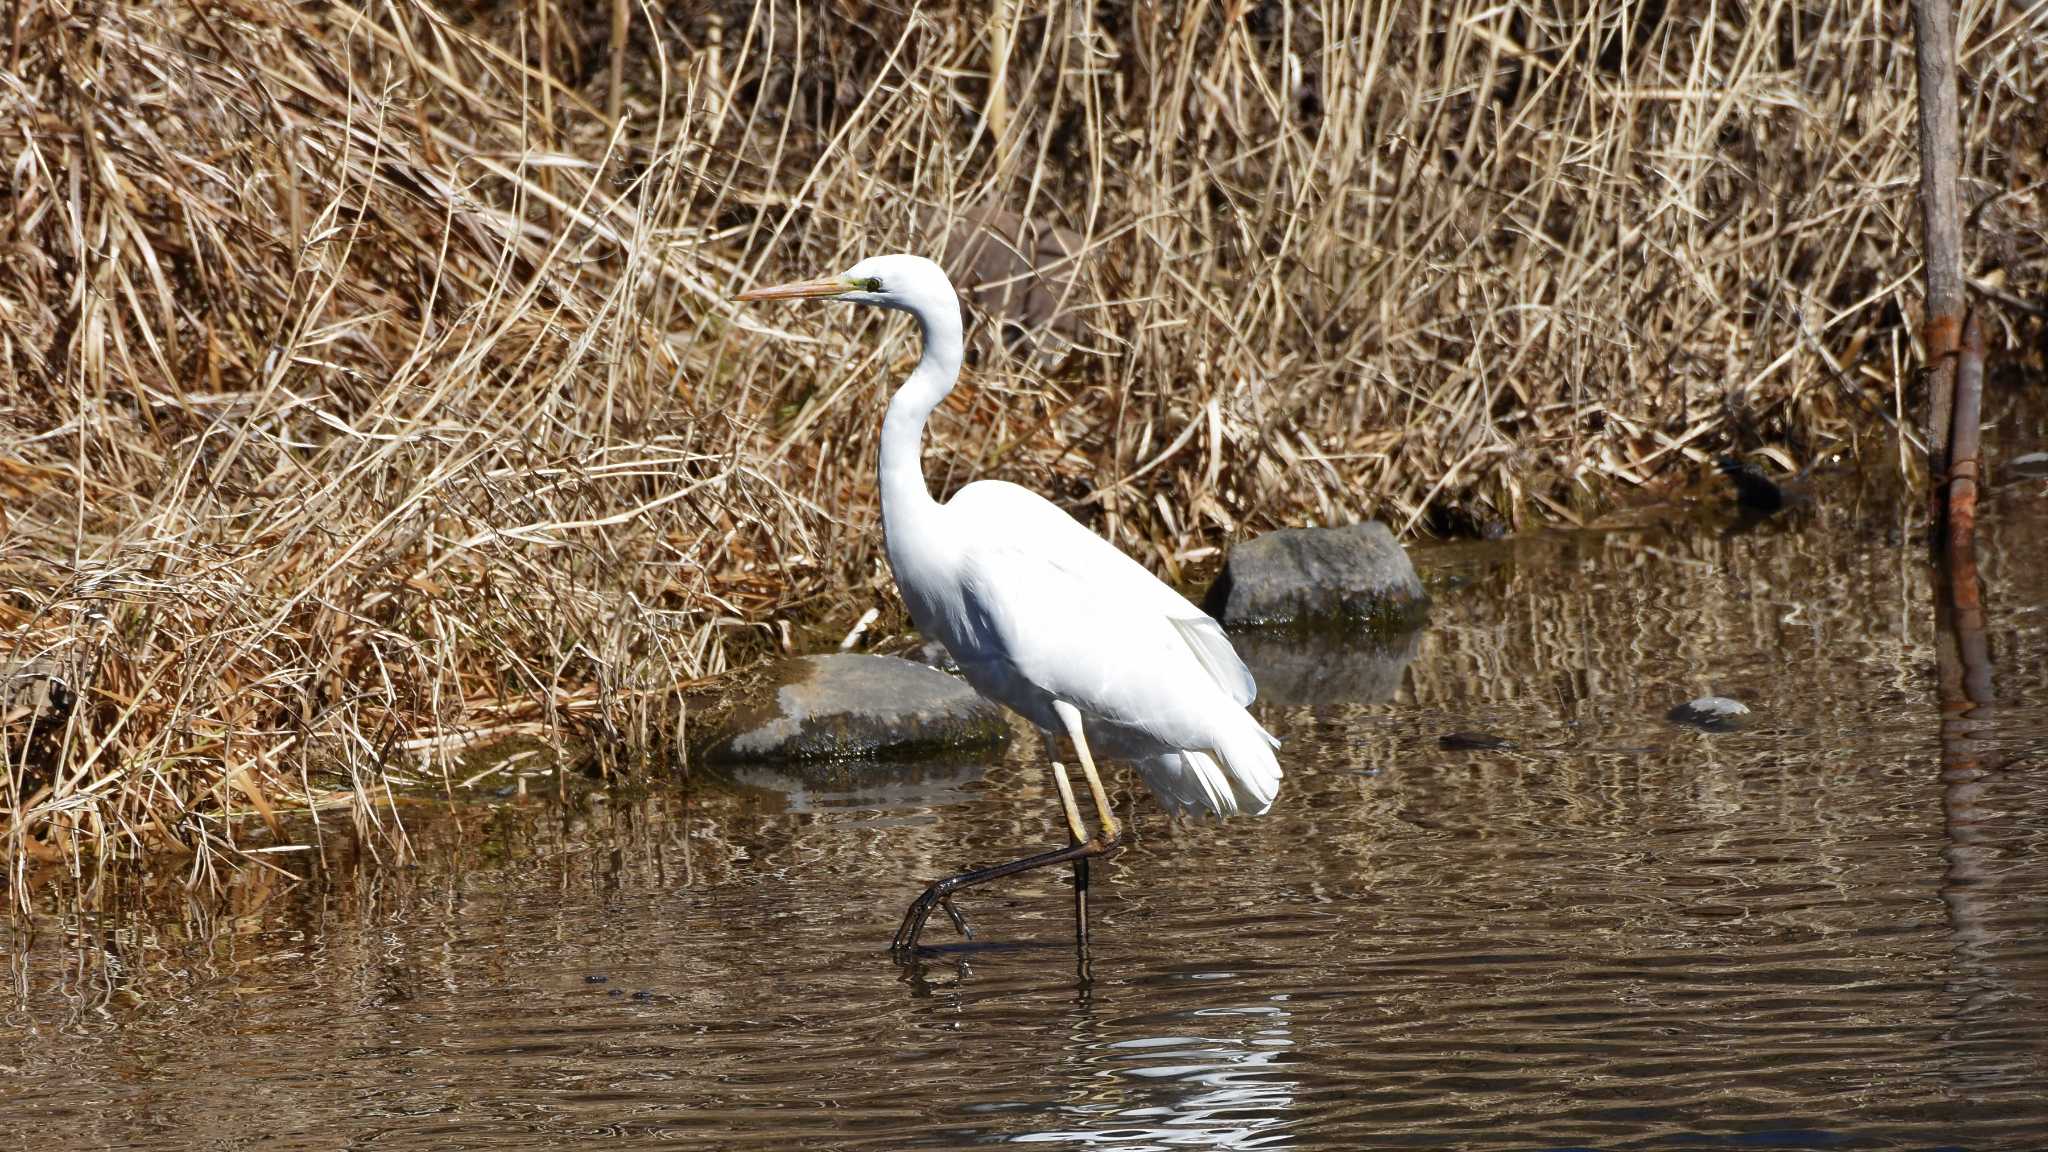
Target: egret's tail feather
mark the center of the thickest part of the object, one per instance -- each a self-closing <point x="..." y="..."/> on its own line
<point x="1253" y="770"/>
<point x="1247" y="779"/>
<point x="1188" y="782"/>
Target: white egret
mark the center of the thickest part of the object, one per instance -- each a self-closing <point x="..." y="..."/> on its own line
<point x="1048" y="618"/>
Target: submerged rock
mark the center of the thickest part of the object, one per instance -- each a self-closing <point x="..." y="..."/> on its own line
<point x="895" y="785"/>
<point x="850" y="705"/>
<point x="1356" y="574"/>
<point x="1714" y="713"/>
<point x="1296" y="668"/>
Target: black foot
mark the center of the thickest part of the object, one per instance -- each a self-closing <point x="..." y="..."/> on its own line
<point x="940" y="894"/>
<point x="936" y="896"/>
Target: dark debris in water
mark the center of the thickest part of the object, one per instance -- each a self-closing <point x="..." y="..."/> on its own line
<point x="1757" y="491"/>
<point x="1473" y="742"/>
<point x="2033" y="465"/>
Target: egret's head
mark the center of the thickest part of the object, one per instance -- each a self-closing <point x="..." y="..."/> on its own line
<point x="906" y="283"/>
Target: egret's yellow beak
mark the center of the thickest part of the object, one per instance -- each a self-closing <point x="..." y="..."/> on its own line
<point x="802" y="290"/>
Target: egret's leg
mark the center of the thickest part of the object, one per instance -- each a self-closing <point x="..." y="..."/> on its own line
<point x="1081" y="904"/>
<point x="1079" y="852"/>
<point x="1074" y="825"/>
<point x="1066" y="787"/>
<point x="1071" y="717"/>
<point x="1080" y="834"/>
<point x="938" y="894"/>
<point x="958" y="917"/>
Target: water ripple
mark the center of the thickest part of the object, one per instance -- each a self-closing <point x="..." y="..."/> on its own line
<point x="1616" y="935"/>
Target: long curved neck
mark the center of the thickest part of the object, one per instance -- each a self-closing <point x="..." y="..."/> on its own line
<point x="904" y="495"/>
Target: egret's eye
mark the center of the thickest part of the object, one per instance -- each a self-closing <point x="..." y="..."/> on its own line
<point x="871" y="284"/>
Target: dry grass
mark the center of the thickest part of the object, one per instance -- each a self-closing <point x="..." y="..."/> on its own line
<point x="369" y="388"/>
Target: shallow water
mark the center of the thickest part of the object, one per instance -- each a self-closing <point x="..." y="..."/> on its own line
<point x="1821" y="931"/>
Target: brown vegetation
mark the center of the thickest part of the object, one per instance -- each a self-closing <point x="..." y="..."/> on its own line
<point x="367" y="386"/>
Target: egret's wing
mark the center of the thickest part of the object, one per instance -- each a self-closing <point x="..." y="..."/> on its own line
<point x="1027" y="538"/>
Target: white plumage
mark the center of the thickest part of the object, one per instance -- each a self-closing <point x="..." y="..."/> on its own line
<point x="1042" y="614"/>
<point x="1036" y="608"/>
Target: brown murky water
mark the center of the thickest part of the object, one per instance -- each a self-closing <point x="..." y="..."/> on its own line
<point x="1621" y="933"/>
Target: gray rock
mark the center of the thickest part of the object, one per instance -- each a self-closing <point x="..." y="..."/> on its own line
<point x="46" y="687"/>
<point x="850" y="705"/>
<point x="1356" y="574"/>
<point x="41" y="691"/>
<point x="1714" y="713"/>
<point x="1295" y="669"/>
<point x="1023" y="274"/>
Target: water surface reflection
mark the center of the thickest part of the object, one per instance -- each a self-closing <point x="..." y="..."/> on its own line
<point x="1619" y="933"/>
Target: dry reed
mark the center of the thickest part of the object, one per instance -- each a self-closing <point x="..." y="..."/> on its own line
<point x="370" y="387"/>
